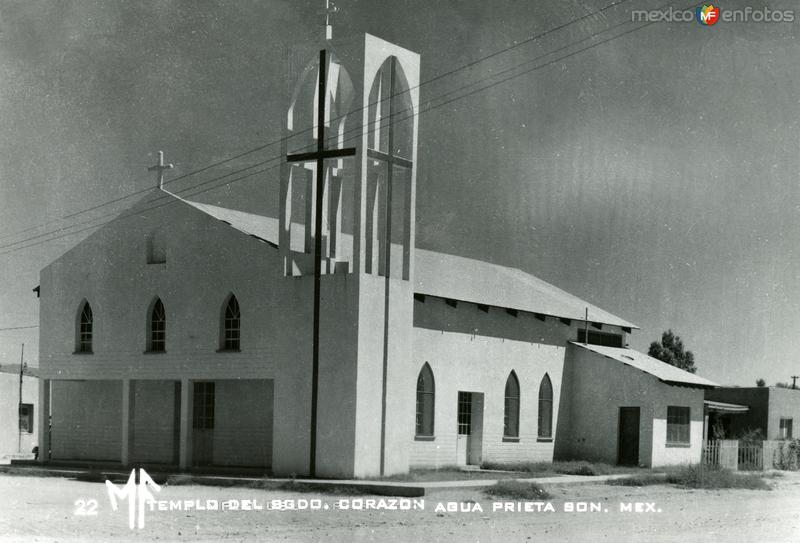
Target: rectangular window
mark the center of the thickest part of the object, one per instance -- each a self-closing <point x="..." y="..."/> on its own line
<point x="677" y="425"/>
<point x="604" y="339"/>
<point x="785" y="429"/>
<point x="156" y="248"/>
<point x="26" y="418"/>
<point x="464" y="413"/>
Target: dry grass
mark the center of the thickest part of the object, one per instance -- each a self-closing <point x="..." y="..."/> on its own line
<point x="573" y="467"/>
<point x="517" y="490"/>
<point x="713" y="477"/>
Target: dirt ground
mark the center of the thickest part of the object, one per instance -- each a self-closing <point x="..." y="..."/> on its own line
<point x="48" y="509"/>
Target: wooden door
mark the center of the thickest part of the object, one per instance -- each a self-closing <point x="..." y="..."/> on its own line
<point x="628" y="443"/>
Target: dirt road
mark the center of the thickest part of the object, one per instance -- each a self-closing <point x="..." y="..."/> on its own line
<point x="54" y="509"/>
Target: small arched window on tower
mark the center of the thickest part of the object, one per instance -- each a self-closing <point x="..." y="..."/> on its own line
<point x="426" y="400"/>
<point x="230" y="339"/>
<point x="83" y="342"/>
<point x="511" y="412"/>
<point x="157" y="328"/>
<point x="545" y="409"/>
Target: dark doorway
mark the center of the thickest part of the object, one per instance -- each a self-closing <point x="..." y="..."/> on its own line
<point x="628" y="444"/>
<point x="203" y="423"/>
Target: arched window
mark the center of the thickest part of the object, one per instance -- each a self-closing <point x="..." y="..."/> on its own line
<point x="546" y="408"/>
<point x="85" y="322"/>
<point x="390" y="146"/>
<point x="511" y="413"/>
<point x="158" y="328"/>
<point x="231" y="325"/>
<point x="425" y="402"/>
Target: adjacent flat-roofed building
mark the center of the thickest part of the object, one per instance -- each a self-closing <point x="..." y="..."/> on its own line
<point x="771" y="411"/>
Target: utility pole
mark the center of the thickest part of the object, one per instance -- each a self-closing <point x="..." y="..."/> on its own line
<point x="794" y="380"/>
<point x="19" y="407"/>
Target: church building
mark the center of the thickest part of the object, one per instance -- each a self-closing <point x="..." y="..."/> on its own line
<point x="323" y="342"/>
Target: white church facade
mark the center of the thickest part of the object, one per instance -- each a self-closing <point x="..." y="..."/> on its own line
<point x="194" y="336"/>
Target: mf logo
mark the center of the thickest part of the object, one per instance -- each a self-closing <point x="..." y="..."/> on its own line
<point x="707" y="15"/>
<point x="137" y="496"/>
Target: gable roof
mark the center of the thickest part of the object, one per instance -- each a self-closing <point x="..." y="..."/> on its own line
<point x="454" y="277"/>
<point x="459" y="278"/>
<point x="661" y="370"/>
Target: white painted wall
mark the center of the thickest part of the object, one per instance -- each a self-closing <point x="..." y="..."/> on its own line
<point x="243" y="423"/>
<point x="474" y="351"/>
<point x="11" y="441"/>
<point x="87" y="420"/>
<point x="206" y="260"/>
<point x="598" y="387"/>
<point x="153" y="422"/>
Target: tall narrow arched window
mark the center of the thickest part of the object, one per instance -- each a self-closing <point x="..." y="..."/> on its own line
<point x="157" y="330"/>
<point x="85" y="323"/>
<point x="546" y="408"/>
<point x="231" y="325"/>
<point x="511" y="413"/>
<point x="426" y="397"/>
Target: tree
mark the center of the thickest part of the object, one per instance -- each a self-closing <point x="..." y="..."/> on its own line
<point x="670" y="350"/>
<point x="761" y="383"/>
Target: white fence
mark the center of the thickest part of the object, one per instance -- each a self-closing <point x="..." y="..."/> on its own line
<point x="751" y="455"/>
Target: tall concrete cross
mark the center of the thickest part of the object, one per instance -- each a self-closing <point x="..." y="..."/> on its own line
<point x="159" y="168"/>
<point x="319" y="156"/>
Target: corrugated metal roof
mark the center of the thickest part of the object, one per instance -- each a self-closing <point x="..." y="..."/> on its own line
<point x="455" y="277"/>
<point x="459" y="278"/>
<point x="655" y="367"/>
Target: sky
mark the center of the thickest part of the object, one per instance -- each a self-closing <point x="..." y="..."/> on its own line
<point x="654" y="175"/>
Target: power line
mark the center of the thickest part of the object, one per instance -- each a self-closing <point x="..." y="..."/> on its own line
<point x="20" y="327"/>
<point x="475" y="91"/>
<point x="466" y="66"/>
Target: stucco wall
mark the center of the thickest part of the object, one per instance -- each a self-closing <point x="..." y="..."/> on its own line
<point x="206" y="261"/>
<point x="87" y="420"/>
<point x="783" y="403"/>
<point x="11" y="441"/>
<point x="154" y="422"/>
<point x="599" y="386"/>
<point x="473" y="350"/>
<point x="243" y="423"/>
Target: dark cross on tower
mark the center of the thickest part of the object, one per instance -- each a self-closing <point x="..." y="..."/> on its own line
<point x="159" y="168"/>
<point x="391" y="159"/>
<point x="320" y="155"/>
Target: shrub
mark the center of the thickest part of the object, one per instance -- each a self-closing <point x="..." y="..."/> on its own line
<point x="525" y="467"/>
<point x="583" y="468"/>
<point x="322" y="488"/>
<point x="638" y="480"/>
<point x="572" y="467"/>
<point x="714" y="477"/>
<point x="517" y="490"/>
<point x="788" y="455"/>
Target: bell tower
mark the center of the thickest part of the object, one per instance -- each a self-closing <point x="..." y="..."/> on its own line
<point x="347" y="215"/>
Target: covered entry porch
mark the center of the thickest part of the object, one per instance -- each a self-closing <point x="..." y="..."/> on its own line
<point x="187" y="423"/>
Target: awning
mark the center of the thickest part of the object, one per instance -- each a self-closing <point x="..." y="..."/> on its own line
<point x="722" y="407"/>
